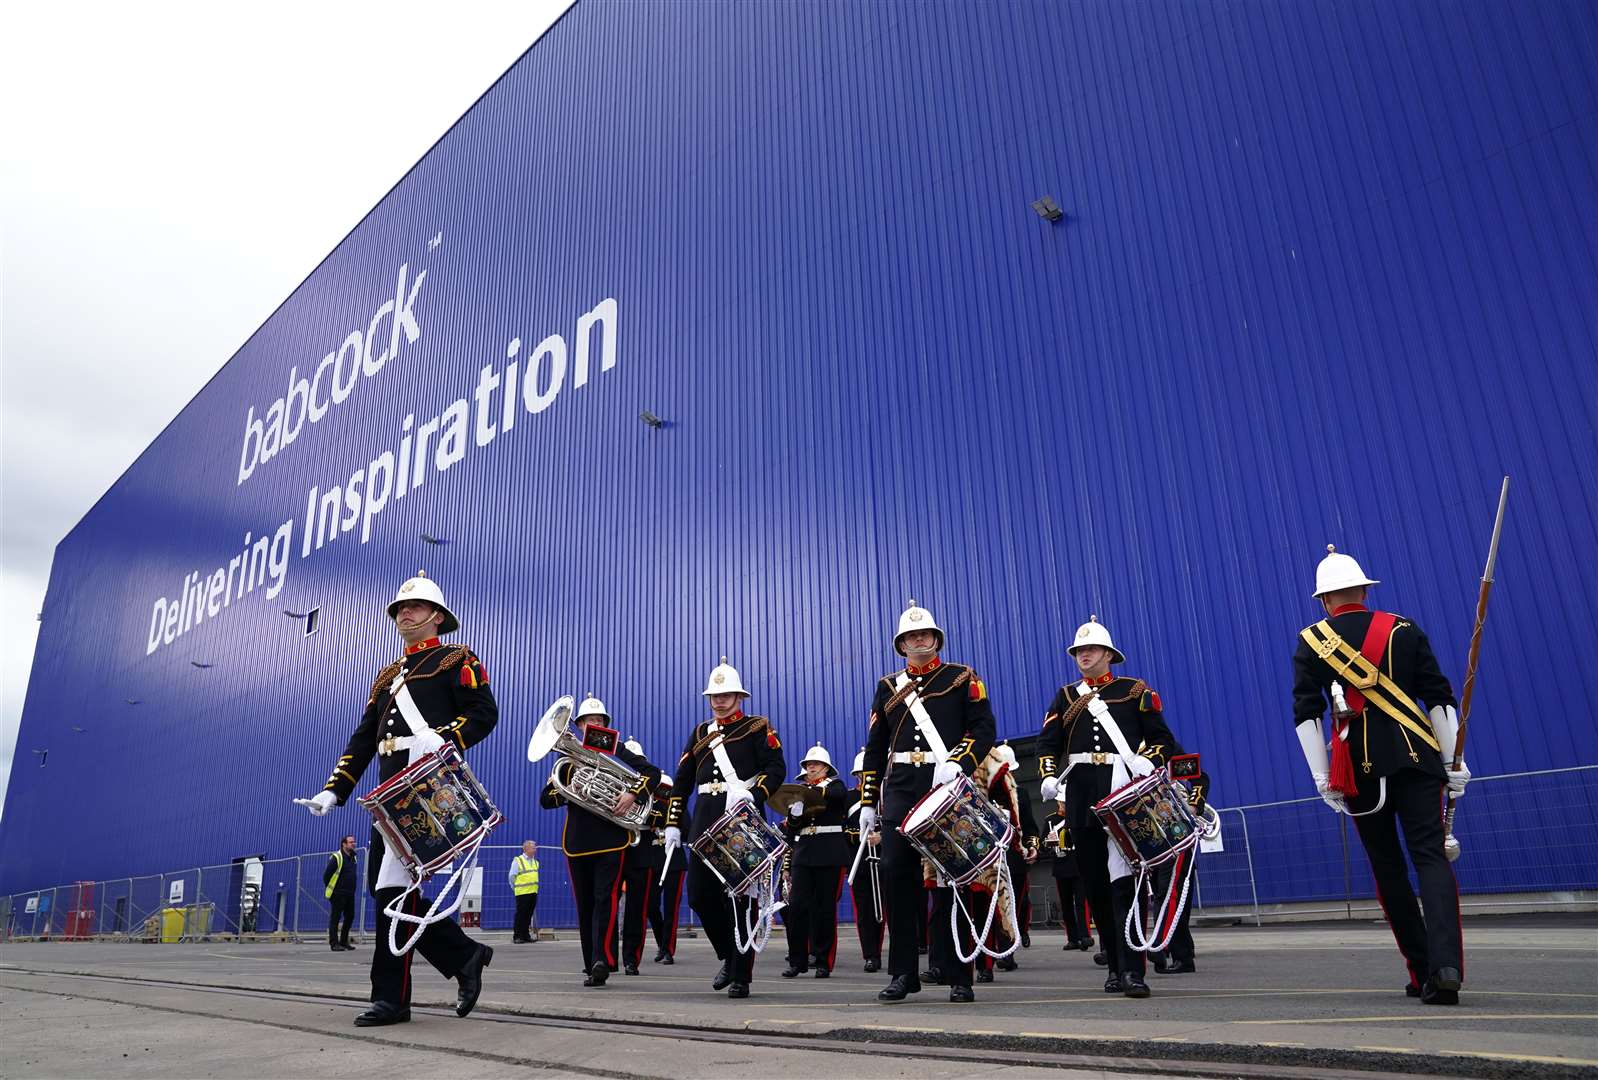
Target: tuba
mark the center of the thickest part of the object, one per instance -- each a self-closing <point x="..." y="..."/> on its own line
<point x="596" y="782"/>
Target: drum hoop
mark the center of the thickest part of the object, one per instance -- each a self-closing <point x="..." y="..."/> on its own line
<point x="994" y="854"/>
<point x="753" y="875"/>
<point x="434" y="760"/>
<point x="1108" y="811"/>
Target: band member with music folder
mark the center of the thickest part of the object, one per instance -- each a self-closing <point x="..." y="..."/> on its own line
<point x="817" y="861"/>
<point x="930" y="722"/>
<point x="449" y="688"/>
<point x="1386" y="766"/>
<point x="731" y="758"/>
<point x="1109" y="730"/>
<point x="594" y="845"/>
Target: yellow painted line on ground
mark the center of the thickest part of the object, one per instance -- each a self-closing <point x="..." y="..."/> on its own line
<point x="1465" y="1018"/>
<point x="1078" y="1035"/>
<point x="1264" y="1043"/>
<point x="1540" y="1058"/>
<point x="893" y="1027"/>
<point x="1388" y="1049"/>
<point x="984" y="1031"/>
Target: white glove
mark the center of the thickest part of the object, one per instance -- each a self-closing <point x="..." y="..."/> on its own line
<point x="1334" y="799"/>
<point x="1138" y="765"/>
<point x="944" y="772"/>
<point x="426" y="742"/>
<point x="1456" y="780"/>
<point x="320" y="803"/>
<point x="797" y="810"/>
<point x="673" y="836"/>
<point x="1050" y="788"/>
<point x="738" y="793"/>
<point x="868" y="819"/>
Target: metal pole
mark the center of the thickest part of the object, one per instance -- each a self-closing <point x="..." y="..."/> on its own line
<point x="1248" y="852"/>
<point x="1348" y="888"/>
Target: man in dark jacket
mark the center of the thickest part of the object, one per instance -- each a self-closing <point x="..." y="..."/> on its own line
<point x="817" y="862"/>
<point x="338" y="880"/>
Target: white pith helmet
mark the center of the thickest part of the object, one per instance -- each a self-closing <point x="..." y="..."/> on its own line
<point x="859" y="762"/>
<point x="591" y="706"/>
<point x="724" y="679"/>
<point x="1094" y="632"/>
<point x="422" y="587"/>
<point x="817" y="753"/>
<point x="634" y="746"/>
<point x="915" y="618"/>
<point x="1337" y="572"/>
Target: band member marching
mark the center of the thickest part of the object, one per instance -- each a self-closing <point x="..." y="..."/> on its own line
<point x="866" y="890"/>
<point x="1094" y="724"/>
<point x="731" y="758"/>
<point x="1386" y="767"/>
<point x="667" y="900"/>
<point x="594" y="846"/>
<point x="640" y="879"/>
<point x="817" y="862"/>
<point x="449" y="689"/>
<point x="929" y="723"/>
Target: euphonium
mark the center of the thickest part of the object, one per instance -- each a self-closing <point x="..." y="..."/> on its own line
<point x="594" y="781"/>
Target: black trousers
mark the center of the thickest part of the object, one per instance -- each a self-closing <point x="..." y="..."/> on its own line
<point x="1181" y="947"/>
<point x="1070" y="908"/>
<point x="443" y="944"/>
<point x="1414" y="800"/>
<point x="340" y="913"/>
<point x="868" y="921"/>
<point x="522" y="928"/>
<point x="1110" y="902"/>
<point x="718" y="914"/>
<point x="904" y="892"/>
<point x="811" y="917"/>
<point x="664" y="908"/>
<point x="637" y="885"/>
<point x="1021" y="875"/>
<point x="596" y="885"/>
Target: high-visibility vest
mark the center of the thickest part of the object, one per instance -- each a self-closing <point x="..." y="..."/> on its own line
<point x="526" y="876"/>
<point x="338" y="868"/>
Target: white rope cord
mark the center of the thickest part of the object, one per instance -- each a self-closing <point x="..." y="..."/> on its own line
<point x="434" y="914"/>
<point x="1134" y="925"/>
<point x="756" y="926"/>
<point x="1000" y="879"/>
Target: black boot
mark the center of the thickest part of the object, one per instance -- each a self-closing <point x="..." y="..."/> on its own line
<point x="984" y="975"/>
<point x="1007" y="964"/>
<point x="901" y="987"/>
<point x="738" y="990"/>
<point x="962" y="994"/>
<point x="1112" y="983"/>
<point x="1026" y="938"/>
<point x="793" y="971"/>
<point x="873" y="964"/>
<point x="470" y="978"/>
<point x="933" y="975"/>
<point x="598" y="974"/>
<point x="723" y="977"/>
<point x="382" y="1013"/>
<point x="1133" y="986"/>
<point x="662" y="956"/>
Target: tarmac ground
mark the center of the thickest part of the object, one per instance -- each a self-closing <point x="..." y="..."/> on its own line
<point x="1297" y="1000"/>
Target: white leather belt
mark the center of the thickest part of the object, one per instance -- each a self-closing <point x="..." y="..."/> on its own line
<point x="719" y="787"/>
<point x="394" y="743"/>
<point x="1092" y="759"/>
<point x="915" y="757"/>
<point x="818" y="830"/>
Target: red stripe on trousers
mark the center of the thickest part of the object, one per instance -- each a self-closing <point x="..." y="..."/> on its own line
<point x="609" y="940"/>
<point x="643" y="928"/>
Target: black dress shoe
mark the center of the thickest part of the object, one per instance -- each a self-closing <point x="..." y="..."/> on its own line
<point x="1112" y="983"/>
<point x="662" y="956"/>
<point x="1100" y="959"/>
<point x="470" y="978"/>
<point x="1411" y="990"/>
<point x="383" y="1013"/>
<point x="1446" y="979"/>
<point x="1133" y="986"/>
<point x="901" y="987"/>
<point x="336" y="948"/>
<point x="933" y="975"/>
<point x="1161" y="965"/>
<point x="1007" y="964"/>
<point x="961" y="994"/>
<point x="1432" y="994"/>
<point x="1178" y="967"/>
<point x="984" y="975"/>
<point x="599" y="973"/>
<point x="1086" y="944"/>
<point x="738" y="990"/>
<point x="631" y="969"/>
<point x="668" y="960"/>
<point x="723" y="978"/>
<point x="1026" y="939"/>
<point x="873" y="965"/>
<point x="793" y="971"/>
<point x="921" y="950"/>
<point x="823" y="973"/>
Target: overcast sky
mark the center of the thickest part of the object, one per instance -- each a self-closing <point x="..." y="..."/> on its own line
<point x="168" y="174"/>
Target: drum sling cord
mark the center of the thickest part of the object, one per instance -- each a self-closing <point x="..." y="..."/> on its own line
<point x="435" y="912"/>
<point x="751" y="931"/>
<point x="1001" y="885"/>
<point x="1158" y="940"/>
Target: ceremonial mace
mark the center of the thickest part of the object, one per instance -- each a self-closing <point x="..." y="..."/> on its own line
<point x="1450" y="841"/>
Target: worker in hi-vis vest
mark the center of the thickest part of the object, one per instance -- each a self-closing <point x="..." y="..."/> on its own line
<point x="524" y="883"/>
<point x="338" y="879"/>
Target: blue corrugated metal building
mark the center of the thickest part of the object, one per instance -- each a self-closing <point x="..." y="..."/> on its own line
<point x="1326" y="272"/>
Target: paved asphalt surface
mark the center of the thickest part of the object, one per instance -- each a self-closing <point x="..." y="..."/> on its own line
<point x="1302" y="999"/>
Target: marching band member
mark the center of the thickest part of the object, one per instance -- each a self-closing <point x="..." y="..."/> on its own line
<point x="1057" y="837"/>
<point x="1094" y="724"/>
<point x="1380" y="666"/>
<point x="817" y="863"/>
<point x="929" y="722"/>
<point x="664" y="908"/>
<point x="729" y="759"/>
<point x="594" y="847"/>
<point x="640" y="874"/>
<point x="449" y="688"/>
<point x="868" y="919"/>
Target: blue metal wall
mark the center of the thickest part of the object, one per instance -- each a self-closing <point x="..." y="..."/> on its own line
<point x="1327" y="273"/>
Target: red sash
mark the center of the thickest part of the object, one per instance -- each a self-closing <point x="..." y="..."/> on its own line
<point x="1373" y="649"/>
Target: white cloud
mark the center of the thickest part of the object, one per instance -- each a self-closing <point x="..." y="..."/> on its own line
<point x="168" y="174"/>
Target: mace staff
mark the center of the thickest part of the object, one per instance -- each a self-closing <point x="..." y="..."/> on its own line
<point x="1450" y="843"/>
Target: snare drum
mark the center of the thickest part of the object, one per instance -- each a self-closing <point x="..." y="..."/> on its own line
<point x="739" y="847"/>
<point x="1149" y="819"/>
<point x="432" y="811"/>
<point x="959" y="830"/>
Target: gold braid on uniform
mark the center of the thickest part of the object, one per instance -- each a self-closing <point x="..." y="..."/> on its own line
<point x="452" y="659"/>
<point x="1081" y="703"/>
<point x="752" y="725"/>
